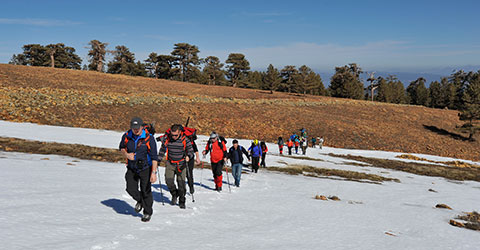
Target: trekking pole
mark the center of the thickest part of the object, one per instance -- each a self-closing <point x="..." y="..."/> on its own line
<point x="201" y="174"/>
<point x="188" y="175"/>
<point x="228" y="180"/>
<point x="160" y="183"/>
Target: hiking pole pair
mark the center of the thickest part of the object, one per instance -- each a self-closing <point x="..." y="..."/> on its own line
<point x="160" y="183"/>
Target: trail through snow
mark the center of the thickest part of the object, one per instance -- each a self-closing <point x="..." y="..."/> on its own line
<point x="58" y="202"/>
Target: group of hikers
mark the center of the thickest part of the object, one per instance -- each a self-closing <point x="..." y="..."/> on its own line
<point x="301" y="141"/>
<point x="180" y="153"/>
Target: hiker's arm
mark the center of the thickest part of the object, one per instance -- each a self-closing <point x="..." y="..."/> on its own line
<point x="153" y="176"/>
<point x="130" y="156"/>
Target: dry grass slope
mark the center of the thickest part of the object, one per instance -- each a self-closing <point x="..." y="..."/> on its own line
<point x="105" y="101"/>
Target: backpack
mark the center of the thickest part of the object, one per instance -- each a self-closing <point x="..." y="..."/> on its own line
<point x="149" y="127"/>
<point x="219" y="141"/>
<point x="190" y="133"/>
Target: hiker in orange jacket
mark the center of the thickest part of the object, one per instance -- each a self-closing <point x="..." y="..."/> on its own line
<point x="218" y="157"/>
<point x="290" y="146"/>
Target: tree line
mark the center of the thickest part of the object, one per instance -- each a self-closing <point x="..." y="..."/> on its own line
<point x="460" y="91"/>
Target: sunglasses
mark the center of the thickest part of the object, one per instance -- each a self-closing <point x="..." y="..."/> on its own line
<point x="175" y="135"/>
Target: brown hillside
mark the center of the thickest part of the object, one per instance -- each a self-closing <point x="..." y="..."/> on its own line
<point x="99" y="100"/>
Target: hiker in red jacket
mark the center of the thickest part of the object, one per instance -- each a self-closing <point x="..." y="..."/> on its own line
<point x="264" y="152"/>
<point x="218" y="157"/>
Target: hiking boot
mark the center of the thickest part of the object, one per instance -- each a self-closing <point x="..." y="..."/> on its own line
<point x="219" y="189"/>
<point x="138" y="207"/>
<point x="182" y="205"/>
<point x="174" y="200"/>
<point x="146" y="217"/>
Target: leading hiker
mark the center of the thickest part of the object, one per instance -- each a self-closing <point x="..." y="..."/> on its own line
<point x="177" y="150"/>
<point x="140" y="149"/>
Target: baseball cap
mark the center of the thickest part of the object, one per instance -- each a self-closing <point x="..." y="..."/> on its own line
<point x="136" y="123"/>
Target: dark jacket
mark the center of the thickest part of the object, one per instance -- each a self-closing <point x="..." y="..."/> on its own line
<point x="144" y="147"/>
<point x="236" y="155"/>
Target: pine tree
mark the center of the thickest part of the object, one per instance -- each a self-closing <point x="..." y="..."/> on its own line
<point x="470" y="110"/>
<point x="290" y="78"/>
<point x="253" y="80"/>
<point x="272" y="79"/>
<point x="123" y="62"/>
<point x="346" y="82"/>
<point x="417" y="92"/>
<point x="96" y="55"/>
<point x="166" y="68"/>
<point x="237" y="68"/>
<point x="449" y="93"/>
<point x="436" y="95"/>
<point x="187" y="58"/>
<point x="151" y="65"/>
<point x="213" y="71"/>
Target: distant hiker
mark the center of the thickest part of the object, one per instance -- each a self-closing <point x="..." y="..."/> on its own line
<point x="280" y="145"/>
<point x="235" y="154"/>
<point x="303" y="133"/>
<point x="290" y="146"/>
<point x="218" y="156"/>
<point x="304" y="143"/>
<point x="255" y="152"/>
<point x="264" y="147"/>
<point x="140" y="149"/>
<point x="178" y="150"/>
<point x="314" y="140"/>
<point x="297" y="143"/>
<point x="293" y="136"/>
<point x="320" y="142"/>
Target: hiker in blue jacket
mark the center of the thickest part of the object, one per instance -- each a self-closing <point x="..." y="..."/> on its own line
<point x="255" y="152"/>
<point x="235" y="154"/>
<point x="140" y="149"/>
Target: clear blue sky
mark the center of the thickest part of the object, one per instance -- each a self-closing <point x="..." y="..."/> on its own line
<point x="383" y="35"/>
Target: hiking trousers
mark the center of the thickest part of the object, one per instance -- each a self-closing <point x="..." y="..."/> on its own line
<point x="255" y="163"/>
<point x="217" y="168"/>
<point x="262" y="163"/>
<point x="191" y="164"/>
<point x="171" y="171"/>
<point x="144" y="195"/>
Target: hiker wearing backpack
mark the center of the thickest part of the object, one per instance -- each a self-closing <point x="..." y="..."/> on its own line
<point x="218" y="157"/>
<point x="280" y="145"/>
<point x="314" y="140"/>
<point x="255" y="153"/>
<point x="297" y="143"/>
<point x="264" y="153"/>
<point x="290" y="146"/>
<point x="177" y="150"/>
<point x="191" y="134"/>
<point x="235" y="154"/>
<point x="140" y="149"/>
<point x="320" y="142"/>
<point x="304" y="143"/>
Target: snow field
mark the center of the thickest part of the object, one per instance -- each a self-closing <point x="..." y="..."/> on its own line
<point x="47" y="204"/>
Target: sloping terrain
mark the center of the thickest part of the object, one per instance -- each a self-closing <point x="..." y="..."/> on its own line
<point x="105" y="101"/>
